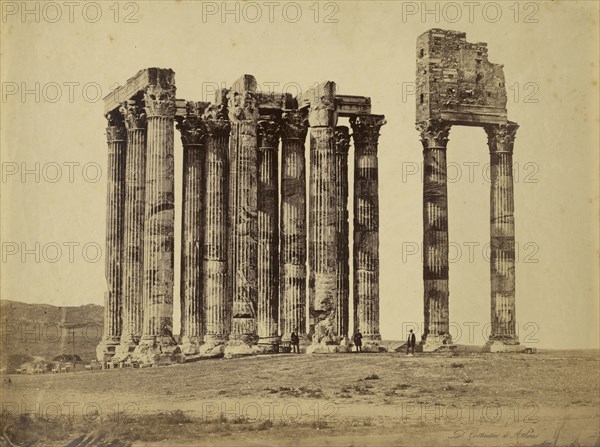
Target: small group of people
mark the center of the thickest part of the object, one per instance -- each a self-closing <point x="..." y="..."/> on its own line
<point x="411" y="342"/>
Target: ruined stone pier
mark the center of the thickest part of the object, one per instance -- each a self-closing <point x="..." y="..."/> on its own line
<point x="243" y="278"/>
<point x="457" y="85"/>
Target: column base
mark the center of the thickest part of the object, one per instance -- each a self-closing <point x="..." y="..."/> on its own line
<point x="106" y="349"/>
<point x="158" y="351"/>
<point x="238" y="348"/>
<point x="437" y="343"/>
<point x="190" y="345"/>
<point x="268" y="345"/>
<point x="503" y="345"/>
<point x="213" y="347"/>
<point x="125" y="349"/>
<point x="329" y="348"/>
<point x="371" y="343"/>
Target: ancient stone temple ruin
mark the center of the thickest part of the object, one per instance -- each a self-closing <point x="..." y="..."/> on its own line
<point x="457" y="85"/>
<point x="251" y="244"/>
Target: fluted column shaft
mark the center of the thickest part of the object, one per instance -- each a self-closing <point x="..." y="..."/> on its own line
<point x="115" y="199"/>
<point x="434" y="136"/>
<point x="191" y="298"/>
<point x="133" y="229"/>
<point x="293" y="225"/>
<point x="323" y="236"/>
<point x="342" y="271"/>
<point x="244" y="229"/>
<point x="366" y="225"/>
<point x="502" y="232"/>
<point x="159" y="218"/>
<point x="214" y="265"/>
<point x="268" y="234"/>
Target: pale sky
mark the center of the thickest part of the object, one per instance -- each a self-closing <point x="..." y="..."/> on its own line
<point x="550" y="56"/>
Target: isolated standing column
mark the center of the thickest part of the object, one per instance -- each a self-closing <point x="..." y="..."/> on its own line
<point x="133" y="227"/>
<point x="365" y="134"/>
<point x="115" y="196"/>
<point x="193" y="135"/>
<point x="502" y="233"/>
<point x="434" y="137"/>
<point x="293" y="225"/>
<point x="214" y="266"/>
<point x="268" y="129"/>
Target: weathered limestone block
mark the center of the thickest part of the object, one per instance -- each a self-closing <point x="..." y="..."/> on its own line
<point x="366" y="228"/>
<point x="133" y="227"/>
<point x="116" y="136"/>
<point x="293" y="227"/>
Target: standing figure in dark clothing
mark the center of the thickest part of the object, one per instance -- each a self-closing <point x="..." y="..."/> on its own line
<point x="358" y="340"/>
<point x="411" y="342"/>
<point x="295" y="342"/>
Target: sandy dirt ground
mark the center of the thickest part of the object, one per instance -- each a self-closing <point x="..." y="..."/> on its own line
<point x="547" y="399"/>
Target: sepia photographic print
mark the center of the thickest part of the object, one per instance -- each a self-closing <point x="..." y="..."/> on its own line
<point x="300" y="223"/>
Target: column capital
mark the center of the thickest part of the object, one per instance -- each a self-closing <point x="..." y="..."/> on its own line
<point x="342" y="139"/>
<point x="192" y="126"/>
<point x="434" y="133"/>
<point x="134" y="114"/>
<point x="217" y="127"/>
<point x="365" y="129"/>
<point x="160" y="101"/>
<point x="242" y="107"/>
<point x="294" y="124"/>
<point x="115" y="131"/>
<point x="501" y="137"/>
<point x="216" y="112"/>
<point x="268" y="131"/>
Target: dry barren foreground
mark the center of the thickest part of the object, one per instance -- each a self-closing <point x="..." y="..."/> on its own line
<point x="547" y="399"/>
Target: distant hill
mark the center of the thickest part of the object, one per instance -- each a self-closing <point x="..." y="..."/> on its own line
<point x="42" y="330"/>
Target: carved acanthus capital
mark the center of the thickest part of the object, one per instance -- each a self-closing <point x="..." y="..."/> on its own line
<point x="501" y="137"/>
<point x="365" y="129"/>
<point x="242" y="107"/>
<point x="342" y="139"/>
<point x="434" y="133"/>
<point x="192" y="126"/>
<point x="294" y="124"/>
<point x="134" y="114"/>
<point x="268" y="131"/>
<point x="160" y="101"/>
<point x="115" y="131"/>
<point x="216" y="112"/>
<point x="217" y="127"/>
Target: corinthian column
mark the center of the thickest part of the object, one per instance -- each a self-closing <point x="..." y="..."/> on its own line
<point x="191" y="299"/>
<point x="503" y="336"/>
<point x="157" y="339"/>
<point x="217" y="305"/>
<point x="115" y="195"/>
<point x="342" y="271"/>
<point x="293" y="226"/>
<point x="434" y="136"/>
<point x="243" y="115"/>
<point x="133" y="227"/>
<point x="268" y="129"/>
<point x="324" y="236"/>
<point x="365" y="133"/>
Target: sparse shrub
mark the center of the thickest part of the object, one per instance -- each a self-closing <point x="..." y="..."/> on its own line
<point x="457" y="365"/>
<point x="372" y="376"/>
